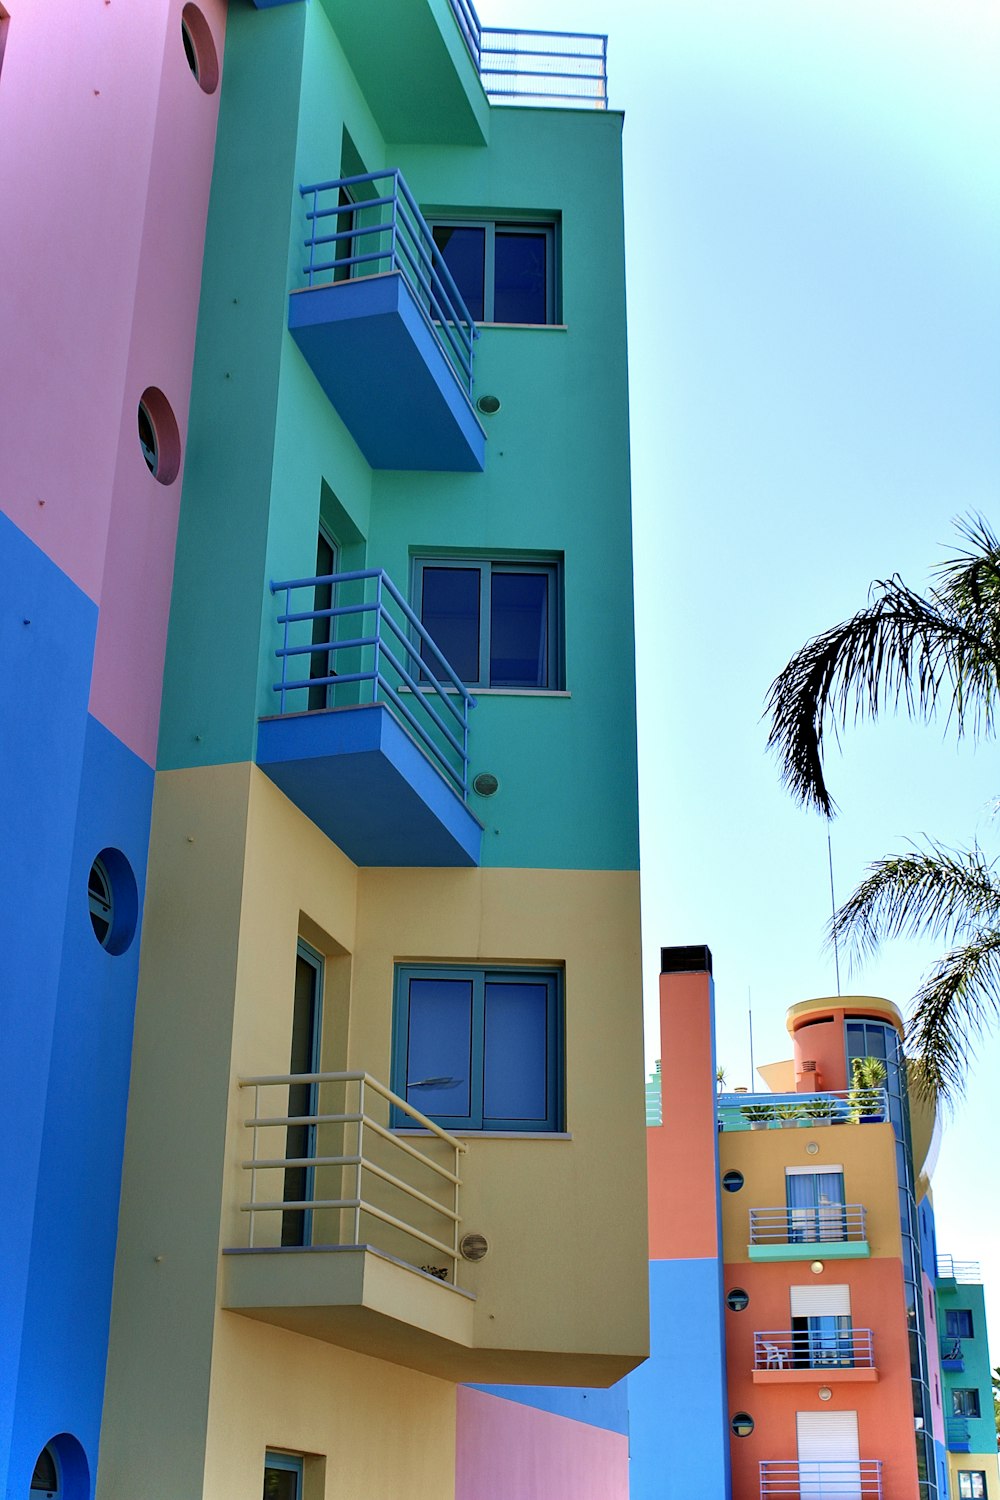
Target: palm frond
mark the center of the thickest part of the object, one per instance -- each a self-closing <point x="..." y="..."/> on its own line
<point x="935" y="892"/>
<point x="954" y="1005"/>
<point x="903" y="650"/>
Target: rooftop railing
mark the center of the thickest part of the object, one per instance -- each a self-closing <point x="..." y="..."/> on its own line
<point x="324" y="666"/>
<point x="778" y="1111"/>
<point x="369" y="225"/>
<point x="964" y="1271"/>
<point x="793" y="1349"/>
<point x="326" y="1171"/>
<point x="827" y="1222"/>
<point x="562" y="68"/>
<point x="822" y="1479"/>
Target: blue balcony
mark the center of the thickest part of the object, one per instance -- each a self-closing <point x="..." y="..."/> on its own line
<point x="957" y="1436"/>
<point x="952" y="1355"/>
<point x="384" y="328"/>
<point x="371" y="740"/>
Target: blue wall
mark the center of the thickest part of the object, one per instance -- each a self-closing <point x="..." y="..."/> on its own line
<point x="66" y="1009"/>
<point x="678" y="1413"/>
<point x="598" y="1408"/>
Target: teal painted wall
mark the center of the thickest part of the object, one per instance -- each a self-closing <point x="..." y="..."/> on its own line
<point x="266" y="441"/>
<point x="976" y="1353"/>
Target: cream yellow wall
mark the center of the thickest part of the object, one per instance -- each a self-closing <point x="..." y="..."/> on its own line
<point x="566" y="1219"/>
<point x="987" y="1462"/>
<point x="384" y="1432"/>
<point x="866" y="1153"/>
<point x="236" y="874"/>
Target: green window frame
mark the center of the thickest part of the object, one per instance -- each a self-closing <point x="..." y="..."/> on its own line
<point x="492" y="229"/>
<point x="972" y="1484"/>
<point x="479" y="1048"/>
<point x="485" y="660"/>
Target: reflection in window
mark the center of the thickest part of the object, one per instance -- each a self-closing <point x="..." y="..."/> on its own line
<point x="505" y="272"/>
<point x="495" y="623"/>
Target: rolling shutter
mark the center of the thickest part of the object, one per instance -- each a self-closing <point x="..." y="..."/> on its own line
<point x="828" y="1455"/>
<point x="821" y="1302"/>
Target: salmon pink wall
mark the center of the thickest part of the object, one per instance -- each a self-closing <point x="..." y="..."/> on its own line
<point x="681" y="1153"/>
<point x="885" y="1414"/>
<point x="506" y="1451"/>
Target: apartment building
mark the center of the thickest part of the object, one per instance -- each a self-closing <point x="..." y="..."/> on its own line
<point x="382" y="1224"/>
<point x="828" y="1350"/>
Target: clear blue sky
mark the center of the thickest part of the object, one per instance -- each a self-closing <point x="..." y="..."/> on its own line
<point x="813" y="233"/>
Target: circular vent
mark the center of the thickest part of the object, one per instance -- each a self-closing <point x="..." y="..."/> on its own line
<point x="474" y="1246"/>
<point x="485" y="784"/>
<point x="489" y="405"/>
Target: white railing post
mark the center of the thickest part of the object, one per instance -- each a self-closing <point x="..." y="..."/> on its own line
<point x="253" y="1170"/>
<point x="361" y="1154"/>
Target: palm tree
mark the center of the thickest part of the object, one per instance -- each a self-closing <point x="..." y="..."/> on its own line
<point x="931" y="653"/>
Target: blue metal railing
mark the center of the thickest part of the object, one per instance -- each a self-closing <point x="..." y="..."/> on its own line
<point x="805" y="1349"/>
<point x="435" y="715"/>
<point x="821" y="1479"/>
<point x="952" y="1353"/>
<point x="387" y="232"/>
<point x="547" y="67"/>
<point x="781" y="1111"/>
<point x="957" y="1435"/>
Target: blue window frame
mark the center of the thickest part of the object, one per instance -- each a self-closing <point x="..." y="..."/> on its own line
<point x="505" y="271"/>
<point x="479" y="1049"/>
<point x="958" y="1322"/>
<point x="965" y="1402"/>
<point x="497" y="622"/>
<point x="972" y="1484"/>
<point x="282" y="1477"/>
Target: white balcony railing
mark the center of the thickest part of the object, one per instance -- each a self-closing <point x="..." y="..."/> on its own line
<point x="832" y="1479"/>
<point x="810" y="1111"/>
<point x="793" y="1349"/>
<point x="827" y="1223"/>
<point x="326" y="1171"/>
<point x="965" y="1271"/>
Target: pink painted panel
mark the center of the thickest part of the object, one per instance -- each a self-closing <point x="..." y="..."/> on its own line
<point x="506" y="1451"/>
<point x="933" y="1357"/>
<point x="77" y="113"/>
<point x="138" y="568"/>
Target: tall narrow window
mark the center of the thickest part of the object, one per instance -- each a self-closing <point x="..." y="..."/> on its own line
<point x="321" y="662"/>
<point x="300" y="1140"/>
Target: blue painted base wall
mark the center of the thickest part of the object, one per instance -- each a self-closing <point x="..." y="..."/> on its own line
<point x="678" y="1418"/>
<point x="70" y="788"/>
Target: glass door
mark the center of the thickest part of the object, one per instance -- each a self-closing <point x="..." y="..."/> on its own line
<point x="815" y="1203"/>
<point x="300" y="1140"/>
<point x="321" y="662"/>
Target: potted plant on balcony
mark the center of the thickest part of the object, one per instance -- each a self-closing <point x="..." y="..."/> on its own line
<point x="759" y="1115"/>
<point x="865" y="1099"/>
<point x="816" y="1112"/>
<point x="788" y="1114"/>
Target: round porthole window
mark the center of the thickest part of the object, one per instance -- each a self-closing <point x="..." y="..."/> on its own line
<point x="732" y="1181"/>
<point x="113" y="897"/>
<point x="742" y="1424"/>
<point x="737" y="1299"/>
<point x="45" y="1479"/>
<point x="199" y="49"/>
<point x="159" y="435"/>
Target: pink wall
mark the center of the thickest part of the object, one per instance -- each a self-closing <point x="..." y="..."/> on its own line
<point x="106" y="145"/>
<point x="933" y="1357"/>
<point x="506" y="1451"/>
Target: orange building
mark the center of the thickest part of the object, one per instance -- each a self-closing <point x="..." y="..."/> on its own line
<point x="804" y="1214"/>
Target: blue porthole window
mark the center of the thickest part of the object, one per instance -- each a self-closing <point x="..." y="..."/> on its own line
<point x="742" y="1424"/>
<point x="737" y="1300"/>
<point x="732" y="1181"/>
<point x="45" y="1479"/>
<point x="113" y="899"/>
<point x="479" y="1049"/>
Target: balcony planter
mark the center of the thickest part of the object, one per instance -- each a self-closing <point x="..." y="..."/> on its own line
<point x="789" y="1115"/>
<point x="815" y="1112"/>
<point x="759" y="1116"/>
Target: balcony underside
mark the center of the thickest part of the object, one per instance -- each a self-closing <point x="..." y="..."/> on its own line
<point x="414" y="71"/>
<point x="811" y="1250"/>
<point x="359" y="1298"/>
<point x="383" y="369"/>
<point x="838" y="1375"/>
<point x="361" y="779"/>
